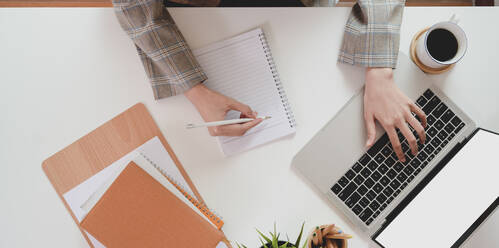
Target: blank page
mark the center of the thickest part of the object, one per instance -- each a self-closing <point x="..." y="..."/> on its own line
<point x="452" y="201"/>
<point x="242" y="68"/>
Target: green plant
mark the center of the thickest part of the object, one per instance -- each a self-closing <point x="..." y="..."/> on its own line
<point x="273" y="240"/>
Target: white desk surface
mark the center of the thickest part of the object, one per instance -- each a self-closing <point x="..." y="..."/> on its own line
<point x="65" y="71"/>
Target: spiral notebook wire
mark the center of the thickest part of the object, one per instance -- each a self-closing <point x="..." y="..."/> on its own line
<point x="277" y="80"/>
<point x="211" y="215"/>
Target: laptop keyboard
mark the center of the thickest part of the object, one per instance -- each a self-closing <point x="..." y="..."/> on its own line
<point x="378" y="177"/>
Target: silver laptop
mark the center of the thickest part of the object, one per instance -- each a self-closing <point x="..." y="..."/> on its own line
<point x="390" y="200"/>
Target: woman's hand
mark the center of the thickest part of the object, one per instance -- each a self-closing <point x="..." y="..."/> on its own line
<point x="213" y="106"/>
<point x="384" y="102"/>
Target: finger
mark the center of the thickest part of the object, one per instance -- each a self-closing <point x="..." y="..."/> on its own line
<point x="394" y="139"/>
<point x="420" y="113"/>
<point x="417" y="126"/>
<point x="411" y="140"/>
<point x="234" y="129"/>
<point x="371" y="130"/>
<point x="241" y="107"/>
<point x="254" y="115"/>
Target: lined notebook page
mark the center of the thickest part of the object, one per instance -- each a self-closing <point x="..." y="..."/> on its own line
<point x="242" y="68"/>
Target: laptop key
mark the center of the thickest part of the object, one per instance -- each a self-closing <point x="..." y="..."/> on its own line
<point x="350" y="174"/>
<point x="371" y="195"/>
<point x="415" y="163"/>
<point x="365" y="172"/>
<point x="422" y="156"/>
<point x="343" y="181"/>
<point x="358" y="179"/>
<point x="428" y="94"/>
<point x="436" y="142"/>
<point x="408" y="170"/>
<point x="364" y="216"/>
<point x="395" y="184"/>
<point x="374" y="205"/>
<point x="383" y="169"/>
<point x="352" y="200"/>
<point x="432" y="132"/>
<point x="362" y="190"/>
<point x="388" y="191"/>
<point x="458" y="128"/>
<point x="376" y="176"/>
<point x="364" y="159"/>
<point x="441" y="108"/>
<point x="402" y="177"/>
<point x="369" y="183"/>
<point x="391" y="174"/>
<point x="379" y="158"/>
<point x="421" y="101"/>
<point x="364" y="202"/>
<point x="378" y="145"/>
<point x="398" y="166"/>
<point x="336" y="188"/>
<point x="372" y="165"/>
<point x="387" y="150"/>
<point x="345" y="193"/>
<point x="389" y="161"/>
<point x="430" y="119"/>
<point x="428" y="149"/>
<point x="447" y="116"/>
<point x="442" y="135"/>
<point x="434" y="101"/>
<point x="456" y="121"/>
<point x="384" y="181"/>
<point x="405" y="147"/>
<point x="377" y="188"/>
<point x="381" y="198"/>
<point x="449" y="128"/>
<point x="439" y="125"/>
<point x="357" y="209"/>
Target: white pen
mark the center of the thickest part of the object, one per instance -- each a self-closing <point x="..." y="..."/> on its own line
<point x="226" y="122"/>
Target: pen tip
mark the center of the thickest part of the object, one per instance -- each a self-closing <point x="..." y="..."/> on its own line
<point x="267" y="117"/>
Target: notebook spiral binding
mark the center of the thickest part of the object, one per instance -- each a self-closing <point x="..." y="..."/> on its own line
<point x="277" y="80"/>
<point x="210" y="214"/>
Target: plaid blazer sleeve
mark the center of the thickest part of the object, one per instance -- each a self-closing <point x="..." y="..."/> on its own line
<point x="167" y="59"/>
<point x="372" y="33"/>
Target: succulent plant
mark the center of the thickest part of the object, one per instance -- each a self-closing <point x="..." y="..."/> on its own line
<point x="274" y="242"/>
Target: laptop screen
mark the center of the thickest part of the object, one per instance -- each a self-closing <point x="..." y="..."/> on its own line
<point x="452" y="201"/>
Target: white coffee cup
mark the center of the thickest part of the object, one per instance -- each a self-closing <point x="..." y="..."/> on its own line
<point x="424" y="55"/>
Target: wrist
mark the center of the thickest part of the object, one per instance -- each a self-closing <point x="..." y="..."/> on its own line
<point x="195" y="92"/>
<point x="379" y="75"/>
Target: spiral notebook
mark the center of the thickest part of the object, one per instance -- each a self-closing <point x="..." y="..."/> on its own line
<point x="242" y="68"/>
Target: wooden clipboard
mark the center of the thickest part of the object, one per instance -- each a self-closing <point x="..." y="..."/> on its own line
<point x="103" y="146"/>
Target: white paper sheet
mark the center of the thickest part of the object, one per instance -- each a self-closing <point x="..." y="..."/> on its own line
<point x="452" y="201"/>
<point x="153" y="149"/>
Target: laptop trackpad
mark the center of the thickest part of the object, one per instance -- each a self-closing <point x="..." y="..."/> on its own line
<point x="452" y="201"/>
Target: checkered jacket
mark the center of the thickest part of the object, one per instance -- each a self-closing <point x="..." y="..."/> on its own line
<point x="371" y="39"/>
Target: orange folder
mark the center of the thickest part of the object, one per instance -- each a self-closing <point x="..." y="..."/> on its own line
<point x="137" y="211"/>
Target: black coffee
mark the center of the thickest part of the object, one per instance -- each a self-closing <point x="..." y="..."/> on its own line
<point x="442" y="44"/>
